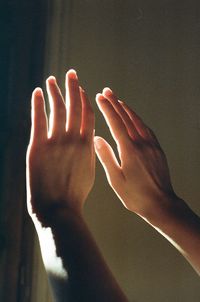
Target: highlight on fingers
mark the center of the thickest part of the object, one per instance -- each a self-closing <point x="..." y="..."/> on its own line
<point x="132" y="131"/>
<point x="135" y="125"/>
<point x="88" y="118"/>
<point x="108" y="160"/>
<point x="75" y="117"/>
<point x="57" y="120"/>
<point x="72" y="74"/>
<point x="113" y="119"/>
<point x="38" y="116"/>
<point x="144" y="131"/>
<point x="37" y="92"/>
<point x="51" y="79"/>
<point x="73" y="103"/>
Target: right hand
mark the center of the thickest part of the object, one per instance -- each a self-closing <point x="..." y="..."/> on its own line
<point x="141" y="180"/>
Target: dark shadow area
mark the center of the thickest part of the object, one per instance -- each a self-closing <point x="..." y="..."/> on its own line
<point x="21" y="59"/>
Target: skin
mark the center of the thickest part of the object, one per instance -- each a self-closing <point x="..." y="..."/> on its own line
<point x="57" y="174"/>
<point x="60" y="175"/>
<point x="141" y="180"/>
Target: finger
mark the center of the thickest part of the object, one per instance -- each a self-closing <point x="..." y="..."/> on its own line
<point x="73" y="100"/>
<point x="107" y="92"/>
<point x="152" y="136"/>
<point x="113" y="120"/>
<point x="108" y="160"/>
<point x="38" y="117"/>
<point x="142" y="129"/>
<point x="57" y="123"/>
<point x="88" y="119"/>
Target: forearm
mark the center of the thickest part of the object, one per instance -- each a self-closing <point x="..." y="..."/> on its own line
<point x="88" y="278"/>
<point x="61" y="173"/>
<point x="53" y="264"/>
<point x="181" y="226"/>
<point x="142" y="173"/>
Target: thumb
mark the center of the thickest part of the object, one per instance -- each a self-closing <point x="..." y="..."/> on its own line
<point x="108" y="160"/>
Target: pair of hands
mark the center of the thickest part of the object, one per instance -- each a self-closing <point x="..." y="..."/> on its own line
<point x="61" y="154"/>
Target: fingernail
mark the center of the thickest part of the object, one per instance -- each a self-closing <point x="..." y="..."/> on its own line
<point x="99" y="96"/>
<point x="107" y="90"/>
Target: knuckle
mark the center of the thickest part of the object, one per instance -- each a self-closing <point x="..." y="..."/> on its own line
<point x="85" y="140"/>
<point x="71" y="138"/>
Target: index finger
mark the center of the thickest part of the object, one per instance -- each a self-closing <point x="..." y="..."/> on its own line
<point x="113" y="120"/>
<point x="141" y="127"/>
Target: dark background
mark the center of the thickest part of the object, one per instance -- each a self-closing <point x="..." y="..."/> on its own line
<point x="148" y="51"/>
<point x="22" y="27"/>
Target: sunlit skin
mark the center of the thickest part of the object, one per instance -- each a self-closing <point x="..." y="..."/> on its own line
<point x="141" y="180"/>
<point x="60" y="175"/>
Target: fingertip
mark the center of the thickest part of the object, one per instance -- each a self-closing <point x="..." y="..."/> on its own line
<point x="99" y="97"/>
<point x="37" y="92"/>
<point x="51" y="80"/>
<point x="37" y="99"/>
<point x="72" y="74"/>
<point x="107" y="91"/>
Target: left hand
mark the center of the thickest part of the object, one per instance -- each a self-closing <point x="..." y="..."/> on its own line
<point x="61" y="161"/>
<point x="141" y="180"/>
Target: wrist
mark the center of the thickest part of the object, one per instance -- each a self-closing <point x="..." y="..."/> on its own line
<point x="173" y="214"/>
<point x="165" y="209"/>
<point x="65" y="214"/>
<point x="53" y="212"/>
<point x="51" y="233"/>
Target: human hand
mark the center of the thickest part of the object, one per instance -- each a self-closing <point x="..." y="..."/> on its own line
<point x="61" y="160"/>
<point x="141" y="180"/>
